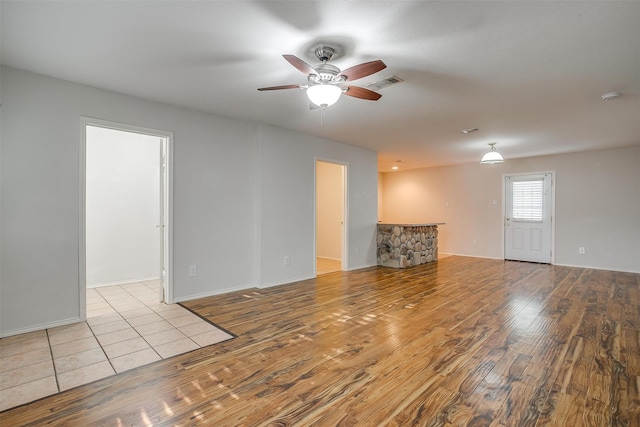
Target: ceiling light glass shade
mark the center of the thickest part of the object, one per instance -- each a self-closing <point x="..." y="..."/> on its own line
<point x="324" y="95"/>
<point x="492" y="157"/>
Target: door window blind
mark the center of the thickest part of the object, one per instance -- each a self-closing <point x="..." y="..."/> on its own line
<point x="527" y="200"/>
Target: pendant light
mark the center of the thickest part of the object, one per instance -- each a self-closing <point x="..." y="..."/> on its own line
<point x="492" y="156"/>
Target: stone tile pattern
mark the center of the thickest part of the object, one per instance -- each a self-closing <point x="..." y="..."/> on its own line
<point x="127" y="326"/>
<point x="406" y="246"/>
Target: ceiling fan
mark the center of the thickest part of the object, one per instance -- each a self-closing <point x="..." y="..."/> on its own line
<point x="326" y="82"/>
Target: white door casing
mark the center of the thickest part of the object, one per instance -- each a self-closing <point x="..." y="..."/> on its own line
<point x="161" y="221"/>
<point x="528" y="217"/>
<point x="166" y="200"/>
<point x="343" y="199"/>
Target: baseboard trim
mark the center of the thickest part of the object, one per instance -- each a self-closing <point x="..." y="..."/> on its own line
<point x="360" y="267"/>
<point x="473" y="256"/>
<point x="40" y="327"/>
<point x="212" y="293"/>
<point x="598" y="268"/>
<point x="99" y="285"/>
<point x="285" y="282"/>
<point x="329" y="258"/>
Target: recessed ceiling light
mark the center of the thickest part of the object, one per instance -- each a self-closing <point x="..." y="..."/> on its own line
<point x="471" y="130"/>
<point x="610" y="95"/>
<point x="395" y="168"/>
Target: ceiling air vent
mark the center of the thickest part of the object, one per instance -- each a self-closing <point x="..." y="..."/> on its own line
<point x="381" y="84"/>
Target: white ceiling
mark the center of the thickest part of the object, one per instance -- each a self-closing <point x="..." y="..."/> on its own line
<point x="530" y="75"/>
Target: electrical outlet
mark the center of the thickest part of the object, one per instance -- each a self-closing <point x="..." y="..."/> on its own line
<point x="475" y="243"/>
<point x="581" y="250"/>
<point x="193" y="271"/>
<point x="287" y="261"/>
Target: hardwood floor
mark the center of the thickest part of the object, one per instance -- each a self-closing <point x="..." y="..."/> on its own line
<point x="464" y="341"/>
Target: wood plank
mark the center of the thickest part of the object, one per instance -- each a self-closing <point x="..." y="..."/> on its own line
<point x="463" y="341"/>
<point x="633" y="399"/>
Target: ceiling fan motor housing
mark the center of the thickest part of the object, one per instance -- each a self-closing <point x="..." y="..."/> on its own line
<point x="324" y="53"/>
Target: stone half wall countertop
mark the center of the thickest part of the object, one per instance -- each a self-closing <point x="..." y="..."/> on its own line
<point x="407" y="245"/>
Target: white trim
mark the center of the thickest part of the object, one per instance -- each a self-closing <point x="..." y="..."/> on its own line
<point x="125" y="282"/>
<point x="329" y="258"/>
<point x="213" y="293"/>
<point x="471" y="256"/>
<point x="82" y="240"/>
<point x="360" y="267"/>
<point x="257" y="197"/>
<point x="345" y="228"/>
<point x="168" y="219"/>
<point x="168" y="203"/>
<point x="599" y="268"/>
<point x="41" y="327"/>
<point x="286" y="282"/>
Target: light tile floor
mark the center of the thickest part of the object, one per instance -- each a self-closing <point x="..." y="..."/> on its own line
<point x="127" y="326"/>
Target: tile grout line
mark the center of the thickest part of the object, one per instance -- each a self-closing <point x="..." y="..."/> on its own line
<point x="109" y="360"/>
<point x="132" y="327"/>
<point x="96" y="337"/>
<point x="53" y="361"/>
<point x="175" y="327"/>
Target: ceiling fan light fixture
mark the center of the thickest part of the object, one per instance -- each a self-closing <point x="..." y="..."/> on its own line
<point x="492" y="157"/>
<point x="324" y="95"/>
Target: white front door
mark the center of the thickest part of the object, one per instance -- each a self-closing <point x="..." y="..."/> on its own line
<point x="527" y="223"/>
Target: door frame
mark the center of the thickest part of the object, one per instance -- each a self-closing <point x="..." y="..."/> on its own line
<point x="553" y="209"/>
<point x="345" y="211"/>
<point x="166" y="212"/>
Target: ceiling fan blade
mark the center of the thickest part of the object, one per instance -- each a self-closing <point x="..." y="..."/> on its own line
<point x="363" y="70"/>
<point x="280" y="87"/>
<point x="300" y="64"/>
<point x="362" y="93"/>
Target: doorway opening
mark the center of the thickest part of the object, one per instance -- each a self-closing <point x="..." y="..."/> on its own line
<point x="528" y="216"/>
<point x="125" y="231"/>
<point x="331" y="207"/>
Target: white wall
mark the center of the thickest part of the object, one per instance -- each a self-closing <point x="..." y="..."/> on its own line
<point x="286" y="211"/>
<point x="243" y="197"/>
<point x="122" y="206"/>
<point x="597" y="205"/>
<point x="329" y="210"/>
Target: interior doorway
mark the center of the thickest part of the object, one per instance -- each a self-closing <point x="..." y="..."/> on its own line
<point x="126" y="200"/>
<point x="330" y="217"/>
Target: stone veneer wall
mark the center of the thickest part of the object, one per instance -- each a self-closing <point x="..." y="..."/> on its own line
<point x="406" y="246"/>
